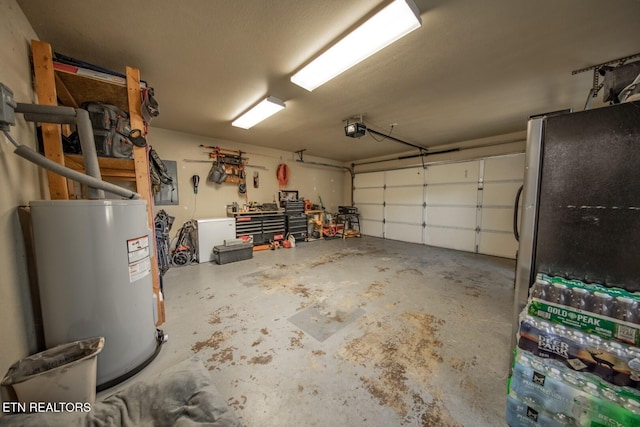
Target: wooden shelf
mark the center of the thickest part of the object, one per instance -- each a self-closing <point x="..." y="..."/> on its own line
<point x="72" y="90"/>
<point x="122" y="169"/>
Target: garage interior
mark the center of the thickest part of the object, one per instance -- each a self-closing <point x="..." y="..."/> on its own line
<point x="395" y="305"/>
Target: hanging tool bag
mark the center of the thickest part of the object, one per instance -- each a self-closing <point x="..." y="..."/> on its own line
<point x="158" y="172"/>
<point x="217" y="173"/>
<point x="111" y="130"/>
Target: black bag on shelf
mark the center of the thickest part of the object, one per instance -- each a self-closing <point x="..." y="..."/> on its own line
<point x="111" y="130"/>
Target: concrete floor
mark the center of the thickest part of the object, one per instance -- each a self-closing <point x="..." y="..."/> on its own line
<point x="355" y="332"/>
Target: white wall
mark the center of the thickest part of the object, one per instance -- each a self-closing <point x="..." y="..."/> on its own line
<point x="21" y="182"/>
<point x="498" y="145"/>
<point x="311" y="182"/>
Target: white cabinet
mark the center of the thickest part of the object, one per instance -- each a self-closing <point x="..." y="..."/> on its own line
<point x="213" y="232"/>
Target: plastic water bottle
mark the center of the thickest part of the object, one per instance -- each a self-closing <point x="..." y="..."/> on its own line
<point x="581" y="299"/>
<point x="520" y="414"/>
<point x="559" y="294"/>
<point x="540" y="289"/>
<point x="602" y="303"/>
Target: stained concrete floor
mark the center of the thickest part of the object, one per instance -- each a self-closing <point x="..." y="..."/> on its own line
<point x="355" y="332"/>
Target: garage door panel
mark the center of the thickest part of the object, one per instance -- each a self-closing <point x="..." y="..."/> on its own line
<point x="371" y="179"/>
<point x="403" y="232"/>
<point x="500" y="193"/>
<point x="464" y="240"/>
<point x="503" y="168"/>
<point x="410" y="214"/>
<point x="412" y="176"/>
<point x="452" y="217"/>
<point x="498" y="244"/>
<point x="371" y="228"/>
<point x="454" y="172"/>
<point x="497" y="219"/>
<point x="409" y="195"/>
<point x="368" y="195"/>
<point x="371" y="212"/>
<point x="452" y="194"/>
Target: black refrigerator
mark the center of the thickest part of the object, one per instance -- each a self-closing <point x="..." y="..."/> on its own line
<point x="581" y="199"/>
<point x="580" y="221"/>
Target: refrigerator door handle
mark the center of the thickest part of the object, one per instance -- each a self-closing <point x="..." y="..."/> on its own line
<point x="516" y="209"/>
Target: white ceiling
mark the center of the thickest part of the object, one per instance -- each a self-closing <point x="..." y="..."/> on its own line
<point x="475" y="69"/>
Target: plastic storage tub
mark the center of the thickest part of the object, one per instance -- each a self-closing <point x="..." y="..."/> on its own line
<point x="232" y="253"/>
<point x="65" y="373"/>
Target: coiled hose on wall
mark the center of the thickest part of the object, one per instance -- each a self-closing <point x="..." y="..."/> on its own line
<point x="283" y="175"/>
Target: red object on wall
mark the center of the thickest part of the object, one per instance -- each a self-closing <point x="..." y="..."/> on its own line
<point x="283" y="174"/>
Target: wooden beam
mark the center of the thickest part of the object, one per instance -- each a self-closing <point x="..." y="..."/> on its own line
<point x="64" y="94"/>
<point x="143" y="180"/>
<point x="46" y="92"/>
<point x="109" y="167"/>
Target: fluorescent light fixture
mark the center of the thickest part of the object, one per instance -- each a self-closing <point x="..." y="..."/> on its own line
<point x="390" y="24"/>
<point x="264" y="109"/>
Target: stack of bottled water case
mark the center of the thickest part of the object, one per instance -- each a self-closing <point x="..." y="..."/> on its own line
<point x="577" y="362"/>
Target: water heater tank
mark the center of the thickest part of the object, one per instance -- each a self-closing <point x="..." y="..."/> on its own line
<point x="94" y="272"/>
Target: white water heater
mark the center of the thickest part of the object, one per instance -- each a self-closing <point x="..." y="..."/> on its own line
<point x="94" y="272"/>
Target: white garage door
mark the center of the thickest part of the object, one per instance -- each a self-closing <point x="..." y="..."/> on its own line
<point x="368" y="196"/>
<point x="465" y="205"/>
<point x="502" y="178"/>
<point x="452" y="200"/>
<point x="404" y="204"/>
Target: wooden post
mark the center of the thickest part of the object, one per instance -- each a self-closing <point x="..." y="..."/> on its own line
<point x="46" y="91"/>
<point x="143" y="181"/>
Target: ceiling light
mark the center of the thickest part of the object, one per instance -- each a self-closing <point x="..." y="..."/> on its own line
<point x="264" y="109"/>
<point x="390" y="24"/>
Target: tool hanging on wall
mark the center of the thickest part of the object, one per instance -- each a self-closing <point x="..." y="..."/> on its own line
<point x="158" y="172"/>
<point x="195" y="180"/>
<point x="228" y="166"/>
<point x="217" y="173"/>
<point x="242" y="187"/>
<point x="246" y="165"/>
<point x="256" y="179"/>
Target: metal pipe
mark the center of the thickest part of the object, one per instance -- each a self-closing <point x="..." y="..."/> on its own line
<point x="30" y="155"/>
<point x="422" y="154"/>
<point x="353" y="183"/>
<point x="396" y="139"/>
<point x="50" y="118"/>
<point x="429" y="153"/>
<point x="67" y="115"/>
<point x="329" y="165"/>
<point x="52" y="110"/>
<point x="432" y="153"/>
<point x="89" y="154"/>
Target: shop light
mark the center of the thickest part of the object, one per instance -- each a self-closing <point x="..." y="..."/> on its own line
<point x="264" y="109"/>
<point x="390" y="24"/>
